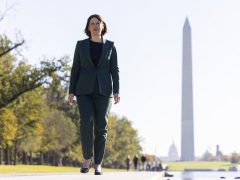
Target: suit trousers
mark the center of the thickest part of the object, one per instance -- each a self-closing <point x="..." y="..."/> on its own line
<point x="94" y="111"/>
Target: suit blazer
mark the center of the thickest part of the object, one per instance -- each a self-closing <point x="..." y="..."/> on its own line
<point x="84" y="73"/>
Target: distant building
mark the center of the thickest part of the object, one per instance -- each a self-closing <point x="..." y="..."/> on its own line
<point x="173" y="153"/>
<point x="208" y="156"/>
<point x="219" y="153"/>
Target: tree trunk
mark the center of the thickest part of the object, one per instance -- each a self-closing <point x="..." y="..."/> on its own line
<point x="52" y="159"/>
<point x="7" y="155"/>
<point x="10" y="155"/>
<point x="15" y="155"/>
<point x="55" y="159"/>
<point x="0" y="156"/>
<point x="24" y="158"/>
<point x="59" y="160"/>
<point x="41" y="159"/>
<point x="30" y="158"/>
<point x="65" y="161"/>
<point x="48" y="160"/>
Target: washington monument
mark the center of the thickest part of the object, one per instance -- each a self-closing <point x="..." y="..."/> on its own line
<point x="187" y="136"/>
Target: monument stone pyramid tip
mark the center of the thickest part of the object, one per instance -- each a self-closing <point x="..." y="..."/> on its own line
<point x="187" y="24"/>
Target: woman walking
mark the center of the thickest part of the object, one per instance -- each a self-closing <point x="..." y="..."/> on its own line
<point x="95" y="82"/>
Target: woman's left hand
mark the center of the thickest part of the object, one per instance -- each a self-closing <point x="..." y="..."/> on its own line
<point x="116" y="98"/>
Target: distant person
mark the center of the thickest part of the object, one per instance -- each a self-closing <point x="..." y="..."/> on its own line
<point x="135" y="162"/>
<point x="160" y="167"/>
<point x="128" y="162"/>
<point x="143" y="160"/>
<point x="94" y="81"/>
<point x="148" y="165"/>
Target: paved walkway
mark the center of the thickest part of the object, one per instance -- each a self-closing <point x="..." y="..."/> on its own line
<point x="89" y="176"/>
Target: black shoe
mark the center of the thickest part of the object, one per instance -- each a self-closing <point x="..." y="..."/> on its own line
<point x="167" y="175"/>
<point x="86" y="170"/>
<point x="98" y="172"/>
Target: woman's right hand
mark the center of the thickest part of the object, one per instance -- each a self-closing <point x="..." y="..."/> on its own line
<point x="71" y="99"/>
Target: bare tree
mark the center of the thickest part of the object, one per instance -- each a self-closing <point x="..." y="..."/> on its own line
<point x="6" y="50"/>
<point x="2" y="15"/>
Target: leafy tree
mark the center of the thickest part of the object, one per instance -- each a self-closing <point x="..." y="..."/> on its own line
<point x="10" y="46"/>
<point x="29" y="110"/>
<point x="8" y="129"/>
<point x="235" y="158"/>
<point x="122" y="141"/>
<point x="19" y="79"/>
<point x="59" y="134"/>
<point x="74" y="154"/>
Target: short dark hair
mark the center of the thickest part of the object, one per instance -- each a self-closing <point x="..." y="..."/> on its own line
<point x="104" y="31"/>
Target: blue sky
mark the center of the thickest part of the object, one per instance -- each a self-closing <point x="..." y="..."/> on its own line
<point x="148" y="38"/>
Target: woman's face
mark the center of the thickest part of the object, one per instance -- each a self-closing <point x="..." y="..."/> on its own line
<point x="95" y="27"/>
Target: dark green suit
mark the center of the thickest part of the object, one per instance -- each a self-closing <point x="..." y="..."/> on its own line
<point x="84" y="72"/>
<point x="94" y="86"/>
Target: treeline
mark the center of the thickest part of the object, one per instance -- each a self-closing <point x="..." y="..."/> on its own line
<point x="233" y="157"/>
<point x="38" y="126"/>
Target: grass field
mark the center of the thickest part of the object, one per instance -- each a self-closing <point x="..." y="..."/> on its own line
<point x="180" y="166"/>
<point x="40" y="169"/>
<point x="174" y="166"/>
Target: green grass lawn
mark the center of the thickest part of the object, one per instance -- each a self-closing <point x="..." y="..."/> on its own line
<point x="40" y="169"/>
<point x="180" y="166"/>
<point x="174" y="166"/>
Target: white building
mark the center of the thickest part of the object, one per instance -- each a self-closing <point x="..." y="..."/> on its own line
<point x="173" y="153"/>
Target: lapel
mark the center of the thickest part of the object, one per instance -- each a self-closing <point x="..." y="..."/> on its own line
<point x="104" y="51"/>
